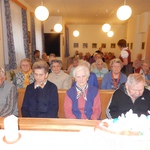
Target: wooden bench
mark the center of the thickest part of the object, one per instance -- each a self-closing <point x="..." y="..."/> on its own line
<point x="52" y="124"/>
<point x="105" y="96"/>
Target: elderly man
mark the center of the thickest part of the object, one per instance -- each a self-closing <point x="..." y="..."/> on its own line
<point x="8" y="94"/>
<point x="131" y="95"/>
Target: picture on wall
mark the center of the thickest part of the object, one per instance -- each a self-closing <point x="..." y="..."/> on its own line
<point x="85" y="45"/>
<point x="143" y="45"/>
<point x="103" y="45"/>
<point x="94" y="45"/>
<point x="127" y="44"/>
<point x="113" y="45"/>
<point x="75" y="45"/>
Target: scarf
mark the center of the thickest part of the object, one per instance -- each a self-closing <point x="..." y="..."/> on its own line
<point x="115" y="81"/>
<point x="26" y="78"/>
<point x="81" y="92"/>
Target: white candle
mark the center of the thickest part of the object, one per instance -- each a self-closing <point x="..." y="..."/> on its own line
<point x="11" y="128"/>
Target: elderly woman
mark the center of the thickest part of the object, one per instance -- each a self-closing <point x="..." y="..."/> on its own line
<point x="100" y="71"/>
<point x="8" y="93"/>
<point x="61" y="79"/>
<point x="82" y="101"/>
<point x="25" y="76"/>
<point x="114" y="77"/>
<point x="92" y="80"/>
<point x="41" y="97"/>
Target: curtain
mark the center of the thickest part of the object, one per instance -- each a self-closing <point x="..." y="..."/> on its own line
<point x="9" y="49"/>
<point x="66" y="42"/>
<point x="25" y="33"/>
<point x="33" y="41"/>
<point x="16" y="13"/>
<point x="38" y="35"/>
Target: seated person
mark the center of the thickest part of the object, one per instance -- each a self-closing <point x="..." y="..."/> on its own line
<point x="25" y="76"/>
<point x="97" y="56"/>
<point x="82" y="101"/>
<point x="145" y="71"/>
<point x="92" y="80"/>
<point x="41" y="97"/>
<point x="8" y="94"/>
<point x="51" y="57"/>
<point x="61" y="79"/>
<point x="137" y="63"/>
<point x="72" y="66"/>
<point x="100" y="71"/>
<point x="130" y="95"/>
<point x="114" y="78"/>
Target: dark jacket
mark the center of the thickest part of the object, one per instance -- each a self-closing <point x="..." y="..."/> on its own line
<point x="40" y="103"/>
<point x="122" y="103"/>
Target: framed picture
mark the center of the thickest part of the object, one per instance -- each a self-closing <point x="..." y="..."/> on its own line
<point x="103" y="45"/>
<point x="131" y="45"/>
<point x="113" y="45"/>
<point x="85" y="45"/>
<point x="127" y="44"/>
<point x="94" y="45"/>
<point x="143" y="45"/>
<point x="75" y="45"/>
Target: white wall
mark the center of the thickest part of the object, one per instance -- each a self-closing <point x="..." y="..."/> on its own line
<point x="94" y="34"/>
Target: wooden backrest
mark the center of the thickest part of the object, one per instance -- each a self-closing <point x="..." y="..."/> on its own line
<point x="105" y="96"/>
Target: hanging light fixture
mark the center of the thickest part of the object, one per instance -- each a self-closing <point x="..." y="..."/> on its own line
<point x="76" y="33"/>
<point x="110" y="33"/>
<point x="41" y="12"/>
<point x="106" y="27"/>
<point x="58" y="27"/>
<point x="124" y="12"/>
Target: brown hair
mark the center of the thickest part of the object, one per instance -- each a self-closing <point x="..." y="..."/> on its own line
<point x="41" y="64"/>
<point x="122" y="43"/>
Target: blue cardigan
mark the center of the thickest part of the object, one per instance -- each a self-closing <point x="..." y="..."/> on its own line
<point x="42" y="103"/>
<point x="107" y="81"/>
<point x="91" y="94"/>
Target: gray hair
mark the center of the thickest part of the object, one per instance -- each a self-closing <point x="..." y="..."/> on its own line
<point x="79" y="68"/>
<point x="84" y="63"/>
<point x="56" y="61"/>
<point x="116" y="60"/>
<point x="135" y="78"/>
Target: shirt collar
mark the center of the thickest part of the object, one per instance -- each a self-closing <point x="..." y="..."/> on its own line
<point x="41" y="86"/>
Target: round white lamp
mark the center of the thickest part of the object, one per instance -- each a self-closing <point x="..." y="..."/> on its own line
<point x="106" y="27"/>
<point x="124" y="12"/>
<point x="110" y="33"/>
<point x="58" y="27"/>
<point x="41" y="13"/>
<point x="76" y="33"/>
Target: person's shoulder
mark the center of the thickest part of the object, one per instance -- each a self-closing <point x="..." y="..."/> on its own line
<point x="49" y="83"/>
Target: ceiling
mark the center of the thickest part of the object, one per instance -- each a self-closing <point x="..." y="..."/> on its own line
<point x="90" y="11"/>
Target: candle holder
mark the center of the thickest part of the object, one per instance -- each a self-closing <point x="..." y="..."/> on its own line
<point x="12" y="142"/>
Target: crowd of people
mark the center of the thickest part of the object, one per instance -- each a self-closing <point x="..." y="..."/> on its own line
<point x="44" y="76"/>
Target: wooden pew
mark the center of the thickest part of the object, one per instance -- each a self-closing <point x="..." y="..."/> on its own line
<point x="105" y="96"/>
<point x="49" y="124"/>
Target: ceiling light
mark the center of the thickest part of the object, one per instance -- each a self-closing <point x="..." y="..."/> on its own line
<point x="41" y="12"/>
<point x="106" y="27"/>
<point x="110" y="33"/>
<point x="124" y="12"/>
<point x="58" y="27"/>
<point x="76" y="33"/>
